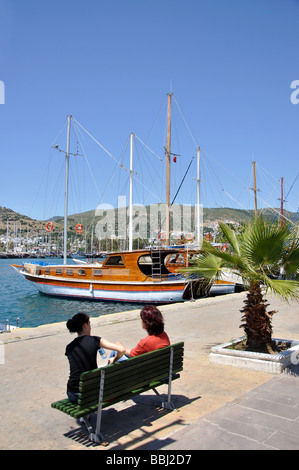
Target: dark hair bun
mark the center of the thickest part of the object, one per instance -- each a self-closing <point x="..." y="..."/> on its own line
<point x="75" y="324"/>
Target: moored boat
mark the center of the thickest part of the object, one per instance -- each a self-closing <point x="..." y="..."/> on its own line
<point x="127" y="276"/>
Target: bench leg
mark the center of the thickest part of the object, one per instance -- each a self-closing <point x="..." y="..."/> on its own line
<point x="168" y="405"/>
<point x="97" y="436"/>
<point x="93" y="437"/>
<point x="85" y="420"/>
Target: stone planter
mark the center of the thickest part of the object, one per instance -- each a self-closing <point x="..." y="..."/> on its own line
<point x="273" y="363"/>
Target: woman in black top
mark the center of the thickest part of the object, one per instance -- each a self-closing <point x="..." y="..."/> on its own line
<point x="82" y="351"/>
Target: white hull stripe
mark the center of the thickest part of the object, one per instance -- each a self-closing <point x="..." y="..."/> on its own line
<point x="117" y="295"/>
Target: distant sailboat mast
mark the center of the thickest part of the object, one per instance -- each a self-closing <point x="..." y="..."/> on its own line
<point x="67" y="158"/>
<point x="167" y="228"/>
<point x="281" y="204"/>
<point x="131" y="194"/>
<point x="198" y="198"/>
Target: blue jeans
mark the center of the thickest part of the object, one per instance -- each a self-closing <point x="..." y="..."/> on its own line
<point x="123" y="358"/>
<point x="73" y="397"/>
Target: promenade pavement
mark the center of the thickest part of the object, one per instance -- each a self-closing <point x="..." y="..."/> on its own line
<point x="218" y="407"/>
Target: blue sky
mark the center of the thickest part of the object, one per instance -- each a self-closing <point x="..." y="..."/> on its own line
<point x="110" y="64"/>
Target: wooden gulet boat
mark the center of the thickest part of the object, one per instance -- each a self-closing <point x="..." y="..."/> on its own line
<point x="129" y="276"/>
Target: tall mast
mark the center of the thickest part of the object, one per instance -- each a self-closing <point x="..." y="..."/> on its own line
<point x="131" y="194"/>
<point x="198" y="197"/>
<point x="281" y="204"/>
<point x="167" y="228"/>
<point x="254" y="189"/>
<point x="67" y="158"/>
<point x="7" y="236"/>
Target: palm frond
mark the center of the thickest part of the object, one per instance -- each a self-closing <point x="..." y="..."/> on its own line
<point x="207" y="266"/>
<point x="263" y="245"/>
<point x="284" y="289"/>
<point x="231" y="237"/>
<point x="290" y="261"/>
<point x="229" y="258"/>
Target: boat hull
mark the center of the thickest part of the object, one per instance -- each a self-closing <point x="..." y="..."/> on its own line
<point x="141" y="276"/>
<point x="221" y="289"/>
<point x="113" y="292"/>
<point x="173" y="290"/>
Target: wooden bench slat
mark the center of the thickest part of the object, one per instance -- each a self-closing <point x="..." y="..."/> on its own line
<point x="123" y="374"/>
<point x="138" y="360"/>
<point x="119" y="391"/>
<point x="120" y="368"/>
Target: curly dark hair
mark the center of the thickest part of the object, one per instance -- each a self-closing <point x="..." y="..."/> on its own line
<point x="153" y="320"/>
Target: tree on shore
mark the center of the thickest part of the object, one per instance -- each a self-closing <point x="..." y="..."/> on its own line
<point x="267" y="259"/>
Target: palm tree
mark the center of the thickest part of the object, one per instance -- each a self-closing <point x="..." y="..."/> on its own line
<point x="259" y="254"/>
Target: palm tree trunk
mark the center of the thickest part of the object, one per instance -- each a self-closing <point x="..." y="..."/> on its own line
<point x="257" y="321"/>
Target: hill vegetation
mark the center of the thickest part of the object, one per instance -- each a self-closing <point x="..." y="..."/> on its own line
<point x="210" y="217"/>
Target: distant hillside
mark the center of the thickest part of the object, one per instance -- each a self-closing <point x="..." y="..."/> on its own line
<point x="241" y="215"/>
<point x="20" y="221"/>
<point x="210" y="216"/>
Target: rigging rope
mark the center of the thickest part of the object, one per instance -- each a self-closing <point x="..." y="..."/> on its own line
<point x="292" y="184"/>
<point x="84" y="154"/>
<point x="183" y="179"/>
<point x="102" y="147"/>
<point x="183" y="117"/>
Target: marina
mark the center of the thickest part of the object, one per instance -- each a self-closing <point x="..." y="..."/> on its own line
<point x="149" y="155"/>
<point x="148" y="275"/>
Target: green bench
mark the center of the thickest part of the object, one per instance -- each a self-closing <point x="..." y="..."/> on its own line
<point x="120" y="381"/>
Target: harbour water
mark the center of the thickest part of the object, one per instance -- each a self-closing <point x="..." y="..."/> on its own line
<point x="21" y="300"/>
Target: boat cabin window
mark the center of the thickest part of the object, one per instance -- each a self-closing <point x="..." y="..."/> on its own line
<point x="148" y="266"/>
<point x="59" y="271"/>
<point x="176" y="259"/>
<point x="70" y="272"/>
<point x="81" y="272"/>
<point x="145" y="259"/>
<point x="115" y="260"/>
<point x="97" y="272"/>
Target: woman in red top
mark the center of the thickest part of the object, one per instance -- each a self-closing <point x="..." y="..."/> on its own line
<point x="152" y="321"/>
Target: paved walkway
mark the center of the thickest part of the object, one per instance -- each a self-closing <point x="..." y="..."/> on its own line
<point x="219" y="407"/>
<point x="266" y="418"/>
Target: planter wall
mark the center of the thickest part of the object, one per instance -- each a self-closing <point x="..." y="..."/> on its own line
<point x="273" y="363"/>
